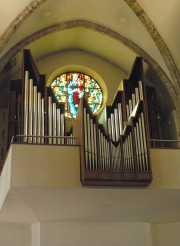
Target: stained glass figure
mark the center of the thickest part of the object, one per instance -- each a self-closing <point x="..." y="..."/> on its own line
<point x="70" y="87"/>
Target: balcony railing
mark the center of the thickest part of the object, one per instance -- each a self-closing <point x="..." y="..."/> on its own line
<point x="57" y="140"/>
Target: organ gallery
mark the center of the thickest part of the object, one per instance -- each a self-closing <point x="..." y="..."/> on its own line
<point x="114" y="146"/>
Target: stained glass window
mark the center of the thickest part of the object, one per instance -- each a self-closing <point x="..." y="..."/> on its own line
<point x="70" y="87"/>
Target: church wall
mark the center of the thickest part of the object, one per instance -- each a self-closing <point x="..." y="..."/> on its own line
<point x="171" y="127"/>
<point x="15" y="234"/>
<point x="93" y="233"/>
<point x="165" y="234"/>
<point x="29" y="172"/>
<point x="59" y="166"/>
<point x="88" y="63"/>
<point x="165" y="168"/>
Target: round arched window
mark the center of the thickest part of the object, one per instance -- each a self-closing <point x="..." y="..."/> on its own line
<point x="70" y="87"/>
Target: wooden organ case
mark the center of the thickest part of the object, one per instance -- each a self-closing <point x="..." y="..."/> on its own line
<point x="117" y="152"/>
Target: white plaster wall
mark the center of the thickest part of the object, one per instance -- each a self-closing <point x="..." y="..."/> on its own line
<point x="36" y="234"/>
<point x="167" y="234"/>
<point x="86" y="62"/>
<point x="172" y="128"/>
<point x="165" y="168"/>
<point x="15" y="234"/>
<point x="5" y="178"/>
<point x="45" y="166"/>
<point x="93" y="234"/>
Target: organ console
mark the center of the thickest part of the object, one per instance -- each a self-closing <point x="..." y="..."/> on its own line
<point x="116" y="153"/>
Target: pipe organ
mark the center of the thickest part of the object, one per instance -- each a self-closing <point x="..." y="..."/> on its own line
<point x="34" y="114"/>
<point x="117" y="153"/>
<point x="113" y="153"/>
<point x="55" y="119"/>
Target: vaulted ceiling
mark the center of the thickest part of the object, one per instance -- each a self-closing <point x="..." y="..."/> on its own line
<point x="116" y="31"/>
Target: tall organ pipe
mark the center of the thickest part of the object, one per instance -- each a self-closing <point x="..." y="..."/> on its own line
<point x="26" y="92"/>
<point x="137" y="95"/>
<point x="120" y="118"/>
<point x="89" y="141"/>
<point x="30" y="111"/>
<point x="35" y="114"/>
<point x="58" y="125"/>
<point x="116" y="124"/>
<point x="140" y="90"/>
<point x="50" y="119"/>
<point x="144" y="140"/>
<point x="113" y="127"/>
<point x="62" y="128"/>
<point x="142" y="145"/>
<point x="92" y="141"/>
<point x="39" y="117"/>
<point x="85" y="138"/>
<point x="42" y="119"/>
<point x="54" y="122"/>
<point x="95" y="146"/>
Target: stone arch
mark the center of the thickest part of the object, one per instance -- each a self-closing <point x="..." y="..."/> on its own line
<point x="173" y="89"/>
<point x="20" y="18"/>
<point x="138" y="11"/>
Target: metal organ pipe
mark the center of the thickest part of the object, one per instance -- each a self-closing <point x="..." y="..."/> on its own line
<point x="92" y="142"/>
<point x="26" y="93"/>
<point x="137" y="95"/>
<point x="85" y="139"/>
<point x="30" y="110"/>
<point x="144" y="141"/>
<point x="133" y="101"/>
<point x="127" y="110"/>
<point x="109" y="128"/>
<point x="58" y="125"/>
<point x="62" y="128"/>
<point x="120" y="118"/>
<point x="128" y="153"/>
<point x="130" y="107"/>
<point x="42" y="119"/>
<point x="107" y="154"/>
<point x="50" y="118"/>
<point x="34" y="113"/>
<point x="131" y="152"/>
<point x="95" y="146"/>
<point x="116" y="124"/>
<point x="141" y="145"/>
<point x="54" y="122"/>
<point x="100" y="150"/>
<point x="136" y="145"/>
<point x="113" y="127"/>
<point x="39" y="117"/>
<point x="89" y="141"/>
<point x="140" y="90"/>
